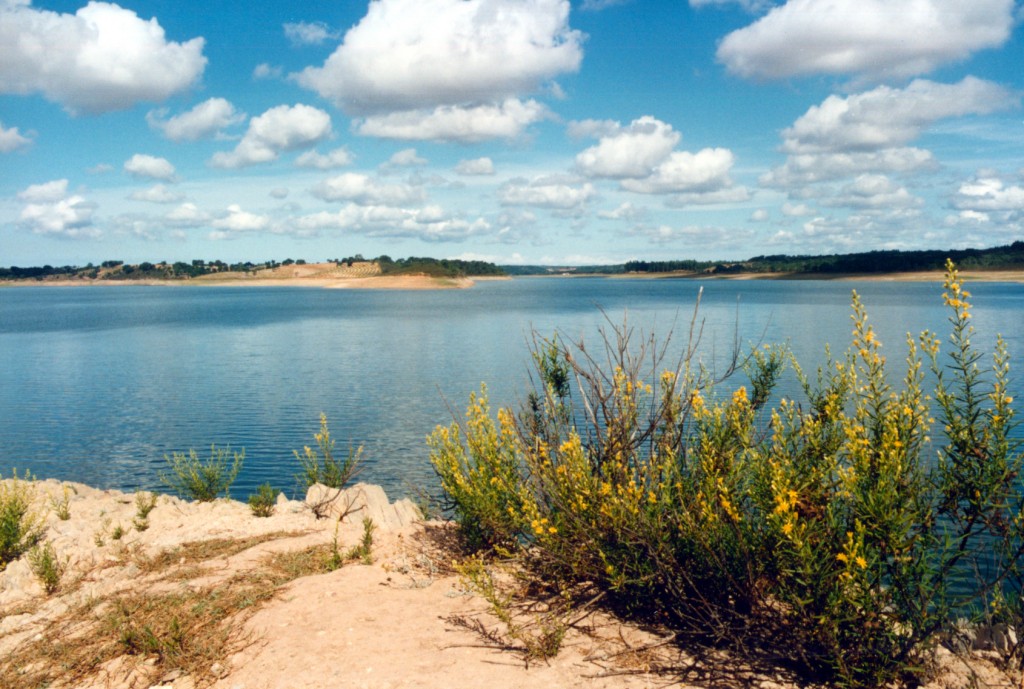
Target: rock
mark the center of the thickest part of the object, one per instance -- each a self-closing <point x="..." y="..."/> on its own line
<point x="362" y="500"/>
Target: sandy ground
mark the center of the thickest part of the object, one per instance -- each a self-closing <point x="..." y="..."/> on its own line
<point x="398" y="622"/>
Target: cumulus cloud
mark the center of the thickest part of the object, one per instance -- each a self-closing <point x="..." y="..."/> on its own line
<point x="475" y="166"/>
<point x="283" y="128"/>
<point x="420" y="54"/>
<point x="201" y="122"/>
<point x="760" y="215"/>
<point x="47" y="192"/>
<point x="11" y="139"/>
<point x="874" y="191"/>
<point x="625" y="211"/>
<point x="188" y="215"/>
<point x="366" y="191"/>
<point x="237" y="221"/>
<point x="631" y="151"/>
<point x="810" y="168"/>
<point x="308" y="33"/>
<point x="989" y="193"/>
<point x="867" y="133"/>
<point x="454" y="123"/>
<point x="431" y="223"/>
<point x="50" y="210"/>
<point x="546" y="192"/>
<point x="887" y="117"/>
<point x="871" y="38"/>
<point x="796" y="210"/>
<point x="101" y="58"/>
<point x="339" y="157"/>
<point x="407" y="157"/>
<point x="142" y="165"/>
<point x="704" y="171"/>
<point x="266" y="71"/>
<point x="158" y="193"/>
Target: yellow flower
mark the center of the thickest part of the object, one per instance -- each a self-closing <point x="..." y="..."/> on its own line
<point x="861" y="562"/>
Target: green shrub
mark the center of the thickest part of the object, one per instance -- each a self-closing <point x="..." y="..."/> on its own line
<point x="47" y="566"/>
<point x="62" y="505"/>
<point x="827" y="522"/>
<point x="21" y="525"/>
<point x="194" y="479"/>
<point x="263" y="501"/>
<point x="145" y="503"/>
<point x="319" y="464"/>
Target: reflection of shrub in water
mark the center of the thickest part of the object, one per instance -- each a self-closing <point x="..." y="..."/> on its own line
<point x="827" y="523"/>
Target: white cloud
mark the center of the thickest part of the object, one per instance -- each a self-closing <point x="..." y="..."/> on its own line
<point x="626" y="211"/>
<point x="810" y="168"/>
<point x="429" y="224"/>
<point x="279" y="192"/>
<point x="453" y="123"/>
<point x="203" y="121"/>
<point x="266" y="71"/>
<point x="723" y="195"/>
<point x="238" y="221"/>
<point x="683" y="172"/>
<point x="874" y="191"/>
<point x="421" y="54"/>
<point x="545" y="193"/>
<point x="887" y="117"/>
<point x="142" y="165"/>
<point x="11" y="139"/>
<point x="101" y="58"/>
<point x="308" y="33"/>
<point x="158" y="193"/>
<point x="47" y="192"/>
<point x="188" y="215"/>
<point x="283" y="128"/>
<point x="49" y="210"/>
<point x="989" y="194"/>
<point x="795" y="210"/>
<point x="475" y="166"/>
<point x="339" y="157"/>
<point x="366" y="191"/>
<point x="407" y="157"/>
<point x="760" y="215"/>
<point x="631" y="151"/>
<point x="873" y="38"/>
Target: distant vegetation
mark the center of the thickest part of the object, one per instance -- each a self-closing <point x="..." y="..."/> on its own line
<point x="1010" y="257"/>
<point x="180" y="270"/>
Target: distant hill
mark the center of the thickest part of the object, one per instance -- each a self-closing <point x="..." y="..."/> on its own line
<point x="1009" y="257"/>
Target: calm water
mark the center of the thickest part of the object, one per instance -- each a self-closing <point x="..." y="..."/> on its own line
<point x="99" y="384"/>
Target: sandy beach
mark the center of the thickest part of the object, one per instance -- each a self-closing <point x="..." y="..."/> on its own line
<point x="398" y="617"/>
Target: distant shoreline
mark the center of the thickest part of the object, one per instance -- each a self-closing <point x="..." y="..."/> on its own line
<point x="425" y="282"/>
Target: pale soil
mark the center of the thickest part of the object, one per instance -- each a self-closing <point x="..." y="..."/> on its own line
<point x="390" y="624"/>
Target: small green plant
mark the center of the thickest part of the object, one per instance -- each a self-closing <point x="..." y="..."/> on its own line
<point x="319" y="464"/>
<point x="364" y="551"/>
<point x="263" y="501"/>
<point x="335" y="560"/>
<point x="145" y="503"/>
<point x="21" y="525"/>
<point x="320" y="467"/>
<point x="117" y="533"/>
<point x="47" y="566"/>
<point x="62" y="505"/>
<point x="202" y="481"/>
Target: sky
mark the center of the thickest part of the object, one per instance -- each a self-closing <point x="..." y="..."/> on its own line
<point x="513" y="131"/>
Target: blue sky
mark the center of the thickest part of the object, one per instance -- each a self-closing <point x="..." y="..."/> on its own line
<point x="517" y="131"/>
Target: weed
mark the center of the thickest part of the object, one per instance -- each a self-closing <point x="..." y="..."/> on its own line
<point x="47" y="566"/>
<point x="263" y="501"/>
<point x="364" y="551"/>
<point x="320" y="467"/>
<point x="62" y="505"/>
<point x="21" y="526"/>
<point x="117" y="533"/>
<point x="194" y="479"/>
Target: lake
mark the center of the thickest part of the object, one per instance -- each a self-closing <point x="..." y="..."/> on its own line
<point x="98" y="384"/>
